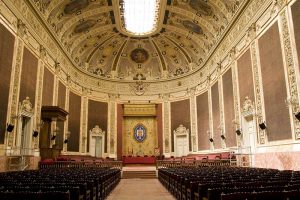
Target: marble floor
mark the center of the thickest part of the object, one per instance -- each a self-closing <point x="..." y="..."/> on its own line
<point x="140" y="189"/>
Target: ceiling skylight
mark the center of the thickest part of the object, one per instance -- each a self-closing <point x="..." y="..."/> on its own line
<point x="140" y="16"/>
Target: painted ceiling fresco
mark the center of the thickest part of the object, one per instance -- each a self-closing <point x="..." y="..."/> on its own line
<point x="88" y="31"/>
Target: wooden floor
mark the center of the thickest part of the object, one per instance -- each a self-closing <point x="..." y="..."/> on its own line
<point x="140" y="189"/>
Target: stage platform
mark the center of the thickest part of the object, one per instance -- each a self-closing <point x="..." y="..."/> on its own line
<point x="139" y="168"/>
<point x="138" y="160"/>
<point x="139" y="172"/>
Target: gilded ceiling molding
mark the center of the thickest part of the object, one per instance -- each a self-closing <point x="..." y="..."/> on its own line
<point x="187" y="57"/>
<point x="116" y="60"/>
<point x="163" y="66"/>
<point x="101" y="84"/>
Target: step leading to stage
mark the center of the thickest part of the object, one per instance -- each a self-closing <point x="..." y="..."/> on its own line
<point x="139" y="174"/>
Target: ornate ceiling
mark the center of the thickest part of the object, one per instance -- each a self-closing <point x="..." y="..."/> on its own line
<point x="91" y="32"/>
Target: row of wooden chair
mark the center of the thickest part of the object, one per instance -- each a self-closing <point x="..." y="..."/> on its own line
<point x="66" y="183"/>
<point x="189" y="183"/>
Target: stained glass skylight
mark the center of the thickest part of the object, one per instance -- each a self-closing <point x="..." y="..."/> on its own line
<point x="140" y="16"/>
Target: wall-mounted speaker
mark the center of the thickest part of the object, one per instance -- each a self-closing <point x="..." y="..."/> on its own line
<point x="297" y="115"/>
<point x="223" y="137"/>
<point x="262" y="126"/>
<point x="211" y="139"/>
<point x="238" y="132"/>
<point x="35" y="133"/>
<point x="10" y="127"/>
<point x="53" y="137"/>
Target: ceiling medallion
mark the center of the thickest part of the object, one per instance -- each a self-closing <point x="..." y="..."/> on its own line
<point x="139" y="55"/>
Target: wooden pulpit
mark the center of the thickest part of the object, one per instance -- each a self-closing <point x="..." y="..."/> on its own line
<point x="50" y="114"/>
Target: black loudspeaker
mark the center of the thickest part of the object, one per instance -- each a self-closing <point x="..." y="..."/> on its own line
<point x="211" y="140"/>
<point x="297" y="115"/>
<point x="262" y="126"/>
<point x="66" y="141"/>
<point x="223" y="137"/>
<point x="10" y="128"/>
<point x="238" y="132"/>
<point x="53" y="137"/>
<point x="35" y="133"/>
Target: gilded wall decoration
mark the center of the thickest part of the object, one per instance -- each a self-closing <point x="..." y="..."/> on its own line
<point x="18" y="55"/>
<point x="112" y="124"/>
<point x="38" y="101"/>
<point x="290" y="65"/>
<point x="166" y="126"/>
<point x="139" y="87"/>
<point x="236" y="121"/>
<point x="84" y="126"/>
<point x="258" y="93"/>
<point x="193" y="107"/>
<point x="133" y="141"/>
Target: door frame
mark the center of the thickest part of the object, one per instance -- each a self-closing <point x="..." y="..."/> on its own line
<point x="179" y="132"/>
<point x="96" y="132"/>
<point x="25" y="111"/>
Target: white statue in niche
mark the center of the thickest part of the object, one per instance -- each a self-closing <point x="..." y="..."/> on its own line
<point x="247" y="105"/>
<point x="26" y="105"/>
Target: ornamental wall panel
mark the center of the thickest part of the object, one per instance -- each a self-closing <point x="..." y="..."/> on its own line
<point x="97" y="115"/>
<point x="274" y="86"/>
<point x="28" y="76"/>
<point x="74" y="122"/>
<point x="229" y="109"/>
<point x="203" y="122"/>
<point x="216" y="115"/>
<point x="48" y="86"/>
<point x="120" y="113"/>
<point x="159" y="119"/>
<point x="296" y="18"/>
<point x="6" y="61"/>
<point x="61" y="96"/>
<point x="61" y="102"/>
<point x="180" y="115"/>
<point x="245" y="76"/>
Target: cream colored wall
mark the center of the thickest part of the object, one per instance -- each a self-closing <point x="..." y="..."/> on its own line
<point x="139" y="148"/>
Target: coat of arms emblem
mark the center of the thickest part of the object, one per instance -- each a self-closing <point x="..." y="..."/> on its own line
<point x="139" y="132"/>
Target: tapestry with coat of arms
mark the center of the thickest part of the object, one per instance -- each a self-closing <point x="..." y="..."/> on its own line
<point x="139" y="132"/>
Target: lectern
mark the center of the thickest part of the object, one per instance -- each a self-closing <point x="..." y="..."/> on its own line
<point x="50" y="114"/>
